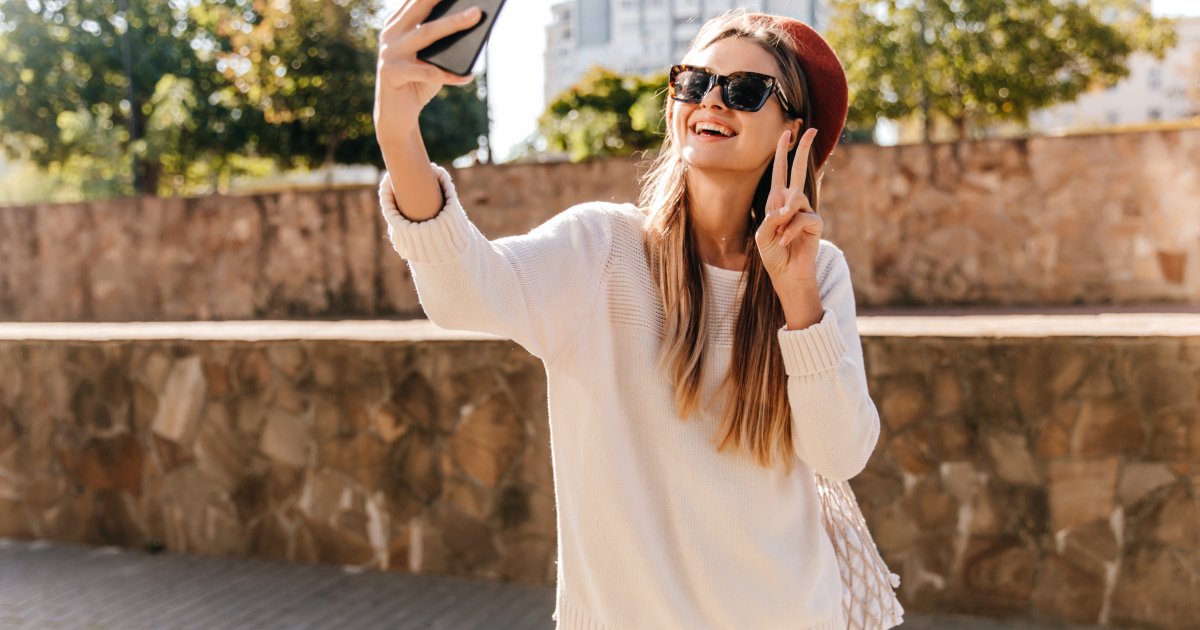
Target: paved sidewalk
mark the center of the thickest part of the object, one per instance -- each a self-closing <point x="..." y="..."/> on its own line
<point x="46" y="586"/>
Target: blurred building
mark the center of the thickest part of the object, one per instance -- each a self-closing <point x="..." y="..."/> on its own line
<point x="1155" y="90"/>
<point x="640" y="36"/>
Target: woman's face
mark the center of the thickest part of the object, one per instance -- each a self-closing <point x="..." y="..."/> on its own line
<point x="754" y="134"/>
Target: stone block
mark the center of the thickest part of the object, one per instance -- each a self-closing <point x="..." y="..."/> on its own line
<point x="1092" y="546"/>
<point x="903" y="401"/>
<point x="998" y="575"/>
<point x="527" y="559"/>
<point x="894" y="529"/>
<point x="417" y="475"/>
<point x="1081" y="492"/>
<point x="13" y="522"/>
<point x="931" y="508"/>
<point x="289" y="358"/>
<point x="469" y="545"/>
<point x="285" y="439"/>
<point x="1053" y="432"/>
<point x="1107" y="426"/>
<point x="910" y="451"/>
<point x="1011" y="459"/>
<point x="362" y="455"/>
<point x="1069" y="592"/>
<point x="489" y="440"/>
<point x="1139" y="479"/>
<point x="1177" y="519"/>
<point x="114" y="464"/>
<point x="1167" y="435"/>
<point x="947" y="394"/>
<point x="219" y="451"/>
<point x="182" y="401"/>
<point x="253" y="372"/>
<point x="1157" y="587"/>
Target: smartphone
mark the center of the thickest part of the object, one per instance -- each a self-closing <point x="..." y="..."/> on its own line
<point x="457" y="52"/>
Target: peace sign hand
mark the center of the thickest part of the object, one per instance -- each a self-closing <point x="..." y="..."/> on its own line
<point x="789" y="236"/>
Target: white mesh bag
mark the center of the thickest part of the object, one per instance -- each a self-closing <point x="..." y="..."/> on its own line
<point x="869" y="599"/>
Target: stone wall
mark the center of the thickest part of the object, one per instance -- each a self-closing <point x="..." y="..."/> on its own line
<point x="1055" y="477"/>
<point x="1105" y="219"/>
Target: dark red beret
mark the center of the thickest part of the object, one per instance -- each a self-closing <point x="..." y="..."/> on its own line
<point x="826" y="83"/>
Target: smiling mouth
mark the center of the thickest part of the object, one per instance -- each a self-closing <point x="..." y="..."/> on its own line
<point x="712" y="130"/>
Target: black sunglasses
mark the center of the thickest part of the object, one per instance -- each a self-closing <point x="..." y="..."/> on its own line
<point x="743" y="91"/>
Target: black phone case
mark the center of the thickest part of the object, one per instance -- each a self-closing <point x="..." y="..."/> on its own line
<point x="458" y="52"/>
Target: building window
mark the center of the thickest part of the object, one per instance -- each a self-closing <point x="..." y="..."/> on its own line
<point x="1155" y="78"/>
<point x="1154" y="114"/>
<point x="1113" y="118"/>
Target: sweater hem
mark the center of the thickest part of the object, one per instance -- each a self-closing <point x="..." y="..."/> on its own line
<point x="441" y="238"/>
<point x="569" y="617"/>
<point x="818" y="348"/>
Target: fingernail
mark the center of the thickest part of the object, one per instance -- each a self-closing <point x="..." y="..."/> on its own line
<point x="473" y="12"/>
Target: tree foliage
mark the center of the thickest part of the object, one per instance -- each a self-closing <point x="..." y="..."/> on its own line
<point x="308" y="66"/>
<point x="606" y="113"/>
<point x="67" y="86"/>
<point x="205" y="86"/>
<point x="980" y="61"/>
<point x="453" y="122"/>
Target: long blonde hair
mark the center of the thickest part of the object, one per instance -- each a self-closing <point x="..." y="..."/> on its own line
<point x="757" y="416"/>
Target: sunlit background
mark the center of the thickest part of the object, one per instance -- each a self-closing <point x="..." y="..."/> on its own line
<point x="517" y="45"/>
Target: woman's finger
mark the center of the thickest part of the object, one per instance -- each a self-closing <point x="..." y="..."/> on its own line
<point x="796" y="227"/>
<point x="800" y="163"/>
<point x="397" y="14"/>
<point x="430" y="73"/>
<point x="432" y="31"/>
<point x="779" y="170"/>
<point x="413" y="13"/>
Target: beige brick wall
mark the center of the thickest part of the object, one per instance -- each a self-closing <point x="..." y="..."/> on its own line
<point x="1054" y="477"/>
<point x="1104" y="219"/>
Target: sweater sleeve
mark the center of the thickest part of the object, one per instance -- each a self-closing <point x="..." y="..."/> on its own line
<point x="534" y="288"/>
<point x="835" y="423"/>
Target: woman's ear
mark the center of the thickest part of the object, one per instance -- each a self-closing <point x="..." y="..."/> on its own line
<point x="795" y="125"/>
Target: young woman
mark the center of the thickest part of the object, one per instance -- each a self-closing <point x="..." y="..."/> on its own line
<point x="701" y="351"/>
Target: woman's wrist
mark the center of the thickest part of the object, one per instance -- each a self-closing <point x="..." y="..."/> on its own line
<point x="802" y="306"/>
<point x="418" y="195"/>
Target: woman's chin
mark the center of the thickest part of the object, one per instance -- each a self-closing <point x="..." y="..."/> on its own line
<point x="710" y="158"/>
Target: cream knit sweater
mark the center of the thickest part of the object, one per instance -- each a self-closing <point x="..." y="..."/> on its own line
<point x="656" y="529"/>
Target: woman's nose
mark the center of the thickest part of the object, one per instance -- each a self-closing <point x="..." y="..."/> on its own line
<point x="713" y="97"/>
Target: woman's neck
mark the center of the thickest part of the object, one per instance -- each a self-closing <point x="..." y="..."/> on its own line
<point x="720" y="205"/>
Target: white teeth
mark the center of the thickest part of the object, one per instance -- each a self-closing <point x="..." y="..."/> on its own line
<point x="711" y="126"/>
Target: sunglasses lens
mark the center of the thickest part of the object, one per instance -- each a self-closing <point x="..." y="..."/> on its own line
<point x="746" y="93"/>
<point x="690" y="85"/>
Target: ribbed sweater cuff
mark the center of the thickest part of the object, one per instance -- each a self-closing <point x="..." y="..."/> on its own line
<point x="438" y="239"/>
<point x="814" y="349"/>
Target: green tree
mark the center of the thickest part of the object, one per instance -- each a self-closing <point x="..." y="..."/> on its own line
<point x="453" y="122"/>
<point x="979" y="61"/>
<point x="308" y="66"/>
<point x="196" y="90"/>
<point x="77" y="74"/>
<point x="606" y="113"/>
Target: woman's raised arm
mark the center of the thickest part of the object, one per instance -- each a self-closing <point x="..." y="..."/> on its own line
<point x="403" y="86"/>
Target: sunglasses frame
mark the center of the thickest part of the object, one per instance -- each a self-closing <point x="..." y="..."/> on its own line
<point x="723" y="80"/>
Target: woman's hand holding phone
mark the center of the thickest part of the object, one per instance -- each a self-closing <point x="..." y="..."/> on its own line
<point x="403" y="83"/>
